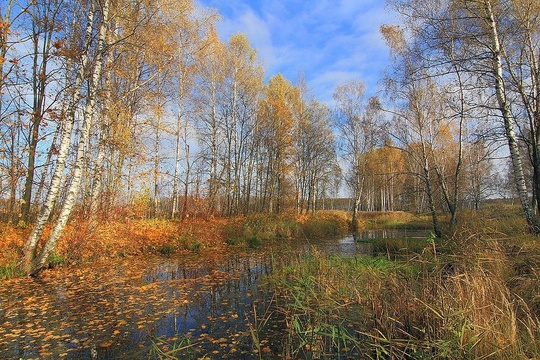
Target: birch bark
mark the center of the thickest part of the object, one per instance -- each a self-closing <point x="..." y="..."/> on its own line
<point x="509" y="122"/>
<point x="40" y="261"/>
<point x="30" y="248"/>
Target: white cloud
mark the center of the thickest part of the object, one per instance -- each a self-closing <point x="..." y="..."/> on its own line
<point x="328" y="41"/>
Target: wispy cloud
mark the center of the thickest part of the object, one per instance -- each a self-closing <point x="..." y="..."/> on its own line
<point x="327" y="41"/>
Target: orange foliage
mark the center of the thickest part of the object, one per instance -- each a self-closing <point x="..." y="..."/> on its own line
<point x="115" y="239"/>
<point x="11" y="243"/>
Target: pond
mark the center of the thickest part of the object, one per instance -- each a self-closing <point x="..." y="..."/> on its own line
<point x="128" y="308"/>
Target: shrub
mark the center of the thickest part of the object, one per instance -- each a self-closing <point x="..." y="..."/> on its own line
<point x="167" y="249"/>
<point x="8" y="271"/>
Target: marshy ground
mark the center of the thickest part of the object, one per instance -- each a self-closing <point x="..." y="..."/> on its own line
<point x="266" y="288"/>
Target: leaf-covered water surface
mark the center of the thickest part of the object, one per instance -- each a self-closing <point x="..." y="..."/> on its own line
<point x="136" y="307"/>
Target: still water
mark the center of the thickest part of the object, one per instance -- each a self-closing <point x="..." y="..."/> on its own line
<point x="122" y="310"/>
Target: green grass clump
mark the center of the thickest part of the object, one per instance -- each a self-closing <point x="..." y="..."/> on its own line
<point x="167" y="249"/>
<point x="163" y="348"/>
<point x="55" y="259"/>
<point x="253" y="242"/>
<point x="184" y="242"/>
<point x="318" y="294"/>
<point x="9" y="271"/>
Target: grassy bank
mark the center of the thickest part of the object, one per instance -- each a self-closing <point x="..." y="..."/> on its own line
<point x="135" y="237"/>
<point x="473" y="296"/>
<point x="393" y="219"/>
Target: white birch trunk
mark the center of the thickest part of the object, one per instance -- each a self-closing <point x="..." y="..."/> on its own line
<point x="74" y="188"/>
<point x="509" y="122"/>
<point x="30" y="247"/>
<point x="156" y="167"/>
<point x="176" y="177"/>
<point x="97" y="189"/>
<point x="98" y="184"/>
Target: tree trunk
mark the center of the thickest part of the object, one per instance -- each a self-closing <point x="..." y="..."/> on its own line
<point x="42" y="27"/>
<point x="40" y="262"/>
<point x="176" y="177"/>
<point x="30" y="247"/>
<point x="155" y="207"/>
<point x="509" y="123"/>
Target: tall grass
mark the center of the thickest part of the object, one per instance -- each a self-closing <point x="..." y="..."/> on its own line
<point x="256" y="229"/>
<point x="475" y="297"/>
<point x="392" y="219"/>
<point x="324" y="224"/>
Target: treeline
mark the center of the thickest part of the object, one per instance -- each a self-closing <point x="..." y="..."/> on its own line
<point x="145" y="109"/>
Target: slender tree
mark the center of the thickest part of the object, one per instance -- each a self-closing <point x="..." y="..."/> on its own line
<point x="32" y="262"/>
<point x="360" y="131"/>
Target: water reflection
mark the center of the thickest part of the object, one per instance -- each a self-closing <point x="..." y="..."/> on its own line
<point x="117" y="311"/>
<point x="361" y="243"/>
<point x="380" y="234"/>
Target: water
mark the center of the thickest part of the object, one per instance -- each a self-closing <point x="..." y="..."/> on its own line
<point x="118" y="310"/>
<point x="360" y="243"/>
<point x="375" y="234"/>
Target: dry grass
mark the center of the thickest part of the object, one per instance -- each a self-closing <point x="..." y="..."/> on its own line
<point x="478" y="299"/>
<point x="395" y="219"/>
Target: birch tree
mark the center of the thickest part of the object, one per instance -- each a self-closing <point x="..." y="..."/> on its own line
<point x="498" y="46"/>
<point x="418" y="112"/>
<point x="209" y="89"/>
<point x="32" y="262"/>
<point x="360" y="131"/>
<point x="45" y="18"/>
<point x="314" y="156"/>
<point x="274" y="131"/>
<point x="243" y="84"/>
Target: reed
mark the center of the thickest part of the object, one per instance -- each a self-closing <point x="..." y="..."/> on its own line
<point x="474" y="297"/>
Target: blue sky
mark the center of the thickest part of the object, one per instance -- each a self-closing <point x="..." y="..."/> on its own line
<point x="328" y="41"/>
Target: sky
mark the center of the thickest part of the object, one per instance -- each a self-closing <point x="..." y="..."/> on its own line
<point x="328" y="42"/>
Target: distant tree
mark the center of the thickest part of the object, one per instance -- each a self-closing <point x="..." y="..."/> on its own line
<point x="360" y="130"/>
<point x="480" y="176"/>
<point x="314" y="154"/>
<point x="385" y="172"/>
<point x="274" y="133"/>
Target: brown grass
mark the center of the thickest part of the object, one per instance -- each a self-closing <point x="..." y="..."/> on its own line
<point x="369" y="220"/>
<point x="478" y="299"/>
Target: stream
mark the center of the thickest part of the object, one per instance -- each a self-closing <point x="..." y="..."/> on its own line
<point x="125" y="308"/>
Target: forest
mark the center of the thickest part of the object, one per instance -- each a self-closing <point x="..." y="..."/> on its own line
<point x="145" y="111"/>
<point x="119" y="116"/>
